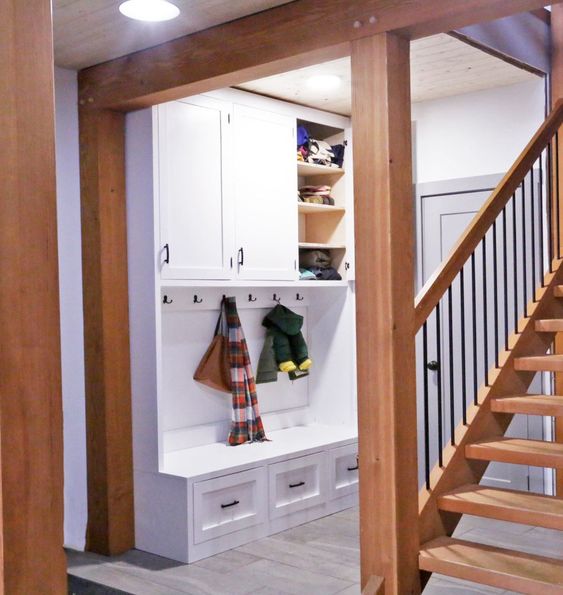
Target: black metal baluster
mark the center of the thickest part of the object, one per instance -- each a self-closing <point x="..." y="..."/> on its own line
<point x="540" y="209"/>
<point x="451" y="362"/>
<point x="485" y="313"/>
<point x="495" y="289"/>
<point x="439" y="387"/>
<point x="426" y="420"/>
<point x="524" y="249"/>
<point x="505" y="277"/>
<point x="533" y="239"/>
<point x="557" y="212"/>
<point x="550" y="205"/>
<point x="515" y="262"/>
<point x="462" y="326"/>
<point x="474" y="327"/>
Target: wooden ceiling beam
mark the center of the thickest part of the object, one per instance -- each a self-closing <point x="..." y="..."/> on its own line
<point x="290" y="36"/>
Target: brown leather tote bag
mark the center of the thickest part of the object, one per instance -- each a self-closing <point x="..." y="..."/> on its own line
<point x="214" y="369"/>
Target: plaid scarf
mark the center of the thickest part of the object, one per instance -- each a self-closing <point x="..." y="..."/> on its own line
<point x="246" y="425"/>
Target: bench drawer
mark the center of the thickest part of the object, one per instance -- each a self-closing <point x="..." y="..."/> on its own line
<point x="344" y="476"/>
<point x="297" y="484"/>
<point x="229" y="503"/>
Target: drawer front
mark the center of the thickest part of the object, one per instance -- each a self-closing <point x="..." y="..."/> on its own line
<point x="343" y="463"/>
<point x="297" y="484"/>
<point x="229" y="503"/>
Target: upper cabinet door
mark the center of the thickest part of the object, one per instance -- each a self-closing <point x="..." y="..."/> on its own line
<point x="193" y="185"/>
<point x="265" y="195"/>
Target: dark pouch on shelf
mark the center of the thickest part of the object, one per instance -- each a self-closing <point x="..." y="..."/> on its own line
<point x="214" y="369"/>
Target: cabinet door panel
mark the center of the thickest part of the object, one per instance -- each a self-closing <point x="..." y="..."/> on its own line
<point x="195" y="210"/>
<point x="266" y="195"/>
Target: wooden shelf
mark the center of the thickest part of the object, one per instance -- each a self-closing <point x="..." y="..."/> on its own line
<point x="308" y="208"/>
<point x="233" y="284"/>
<point x="311" y="169"/>
<point x="313" y="246"/>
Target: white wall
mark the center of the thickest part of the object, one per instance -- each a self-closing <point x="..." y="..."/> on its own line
<point x="70" y="279"/>
<point x="475" y="134"/>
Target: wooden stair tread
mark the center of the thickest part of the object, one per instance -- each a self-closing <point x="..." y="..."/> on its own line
<point x="493" y="566"/>
<point x="558" y="291"/>
<point x="517" y="451"/>
<point x="552" y="325"/>
<point x="529" y="405"/>
<point x="505" y="505"/>
<point x="539" y="363"/>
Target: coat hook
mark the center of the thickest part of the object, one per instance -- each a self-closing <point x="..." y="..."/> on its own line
<point x="166" y="300"/>
<point x="251" y="298"/>
<point x="299" y="297"/>
<point x="197" y="300"/>
<point x="276" y="298"/>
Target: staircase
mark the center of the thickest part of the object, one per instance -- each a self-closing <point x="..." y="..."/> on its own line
<point x="533" y="273"/>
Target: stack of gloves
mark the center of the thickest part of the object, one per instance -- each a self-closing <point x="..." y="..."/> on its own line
<point x="317" y="265"/>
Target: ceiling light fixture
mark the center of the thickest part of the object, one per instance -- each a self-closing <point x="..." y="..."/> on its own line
<point x="324" y="82"/>
<point x="149" y="10"/>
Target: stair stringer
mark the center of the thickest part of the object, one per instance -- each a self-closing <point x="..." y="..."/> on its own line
<point x="482" y="423"/>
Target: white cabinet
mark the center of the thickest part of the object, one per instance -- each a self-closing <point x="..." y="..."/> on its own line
<point x="265" y="195"/>
<point x="344" y="468"/>
<point x="194" y="182"/>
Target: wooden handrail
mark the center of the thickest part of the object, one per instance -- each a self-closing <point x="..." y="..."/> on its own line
<point x="437" y="285"/>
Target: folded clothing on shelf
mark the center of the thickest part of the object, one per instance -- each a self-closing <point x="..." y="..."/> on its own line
<point x="317" y="263"/>
<point x="316" y="194"/>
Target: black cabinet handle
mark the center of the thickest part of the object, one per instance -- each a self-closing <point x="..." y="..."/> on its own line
<point x="346" y="266"/>
<point x="167" y="252"/>
<point x="353" y="468"/>
<point x="233" y="503"/>
<point x="433" y="365"/>
<point x="240" y="257"/>
<point x="297" y="485"/>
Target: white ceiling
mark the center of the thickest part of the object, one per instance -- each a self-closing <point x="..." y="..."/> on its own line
<point x="441" y="66"/>
<point x="88" y="32"/>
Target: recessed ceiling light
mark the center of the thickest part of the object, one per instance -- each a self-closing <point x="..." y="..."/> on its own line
<point x="149" y="10"/>
<point x="324" y="82"/>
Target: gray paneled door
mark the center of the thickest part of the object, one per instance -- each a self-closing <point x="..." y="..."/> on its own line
<point x="444" y="210"/>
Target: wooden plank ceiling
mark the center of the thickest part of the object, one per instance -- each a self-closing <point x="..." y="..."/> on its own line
<point x="89" y="32"/>
<point x="441" y="66"/>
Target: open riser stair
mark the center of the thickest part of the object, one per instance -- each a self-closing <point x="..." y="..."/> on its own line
<point x="486" y="322"/>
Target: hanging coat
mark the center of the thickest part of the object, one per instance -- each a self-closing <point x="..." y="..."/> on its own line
<point x="290" y="351"/>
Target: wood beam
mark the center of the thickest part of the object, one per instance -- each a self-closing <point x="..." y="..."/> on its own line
<point x="385" y="313"/>
<point x="557" y="94"/>
<point x="106" y="330"/>
<point x="289" y="36"/>
<point x="31" y="441"/>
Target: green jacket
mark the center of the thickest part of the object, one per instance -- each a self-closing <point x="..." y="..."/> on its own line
<point x="284" y="342"/>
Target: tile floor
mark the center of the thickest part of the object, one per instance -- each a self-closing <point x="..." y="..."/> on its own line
<point x="319" y="558"/>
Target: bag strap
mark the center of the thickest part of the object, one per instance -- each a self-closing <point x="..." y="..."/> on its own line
<point x="221" y="325"/>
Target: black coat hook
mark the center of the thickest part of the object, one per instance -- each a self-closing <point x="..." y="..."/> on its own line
<point x="276" y="298"/>
<point x="299" y="297"/>
<point x="166" y="300"/>
<point x="197" y="300"/>
<point x="251" y="298"/>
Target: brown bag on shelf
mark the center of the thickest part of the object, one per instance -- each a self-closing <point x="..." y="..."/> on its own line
<point x="214" y="369"/>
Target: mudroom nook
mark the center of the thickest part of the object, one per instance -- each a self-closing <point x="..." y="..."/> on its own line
<point x="218" y="204"/>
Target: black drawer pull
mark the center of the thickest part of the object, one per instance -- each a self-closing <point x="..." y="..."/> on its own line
<point x="233" y="503"/>
<point x="297" y="485"/>
<point x="353" y="468"/>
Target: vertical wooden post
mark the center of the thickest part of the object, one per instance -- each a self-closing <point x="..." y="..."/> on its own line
<point x="31" y="451"/>
<point x="106" y="330"/>
<point x="556" y="94"/>
<point x="385" y="312"/>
